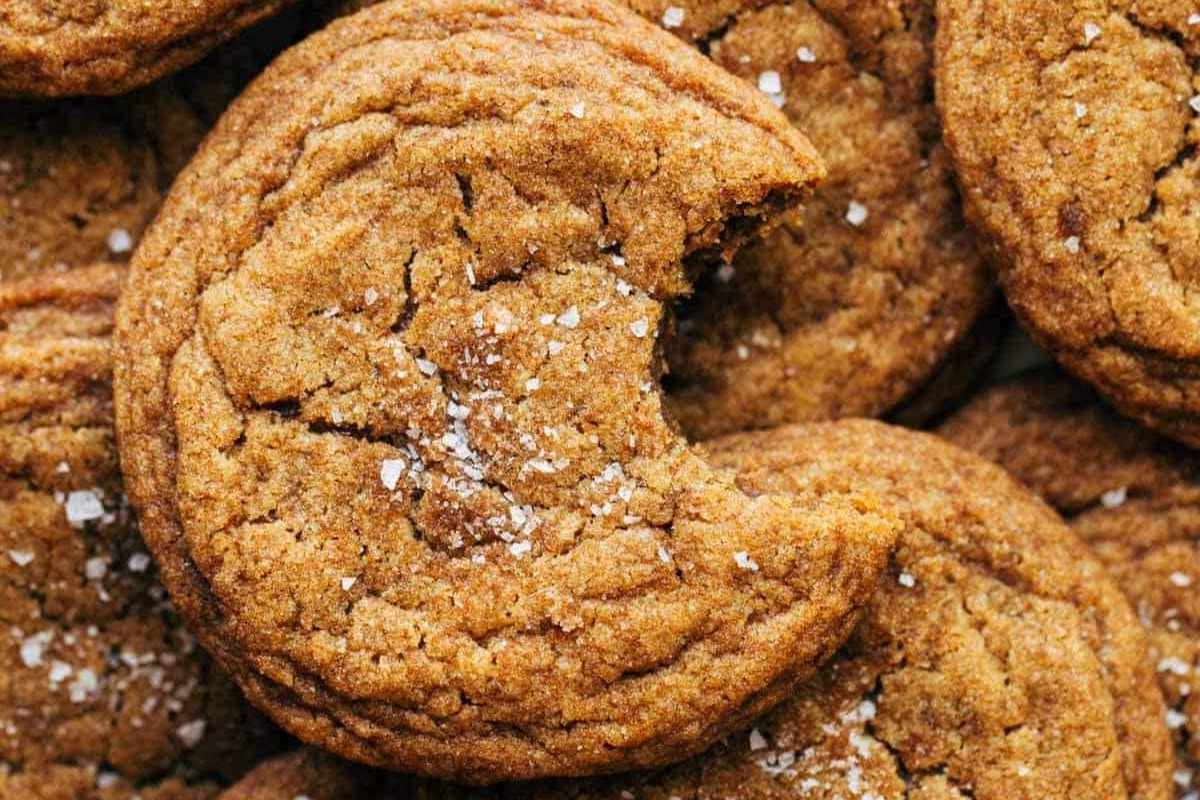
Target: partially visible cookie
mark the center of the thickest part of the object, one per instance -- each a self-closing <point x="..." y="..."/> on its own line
<point x="1132" y="495"/>
<point x="80" y="179"/>
<point x="103" y="696"/>
<point x="51" y="48"/>
<point x="996" y="662"/>
<point x="1074" y="129"/>
<point x="859" y="296"/>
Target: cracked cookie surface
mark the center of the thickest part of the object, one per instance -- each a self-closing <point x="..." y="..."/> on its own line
<point x="105" y="696"/>
<point x="995" y="662"/>
<point x="1074" y="130"/>
<point x="1132" y="495"/>
<point x="391" y="420"/>
<point x="52" y="48"/>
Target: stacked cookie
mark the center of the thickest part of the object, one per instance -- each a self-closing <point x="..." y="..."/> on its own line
<point x="482" y="388"/>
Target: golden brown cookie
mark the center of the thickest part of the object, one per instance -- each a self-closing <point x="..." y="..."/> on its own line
<point x="80" y="179"/>
<point x="105" y="696"/>
<point x="52" y="48"/>
<point x="391" y="421"/>
<point x="1132" y="495"/>
<point x="1074" y="129"/>
<point x="856" y="299"/>
<point x="996" y="661"/>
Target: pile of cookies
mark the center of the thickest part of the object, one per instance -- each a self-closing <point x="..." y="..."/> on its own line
<point x="472" y="399"/>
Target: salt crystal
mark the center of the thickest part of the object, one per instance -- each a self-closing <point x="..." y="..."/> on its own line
<point x="348" y="583"/>
<point x="370" y="296"/>
<point x="95" y="568"/>
<point x="138" y="562"/>
<point x="1180" y="579"/>
<point x="672" y="17"/>
<point x="1072" y="244"/>
<point x="906" y="580"/>
<point x="806" y="55"/>
<point x="856" y="213"/>
<point x="21" y="557"/>
<point x="119" y="241"/>
<point x="578" y="110"/>
<point x="757" y="740"/>
<point x="390" y="471"/>
<point x="191" y="733"/>
<point x="639" y="328"/>
<point x="1090" y="31"/>
<point x="770" y="82"/>
<point x="520" y="548"/>
<point x="83" y="506"/>
<point x="1114" y="497"/>
<point x="426" y="367"/>
<point x="744" y="561"/>
<point x="569" y="318"/>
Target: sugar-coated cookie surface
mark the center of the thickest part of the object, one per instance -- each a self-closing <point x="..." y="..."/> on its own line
<point x="1130" y="494"/>
<point x="1074" y="128"/>
<point x="51" y="48"/>
<point x="996" y="661"/>
<point x="105" y="696"/>
<point x="388" y="401"/>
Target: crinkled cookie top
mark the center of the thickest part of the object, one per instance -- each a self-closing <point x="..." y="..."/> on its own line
<point x="1074" y="128"/>
<point x="389" y="404"/>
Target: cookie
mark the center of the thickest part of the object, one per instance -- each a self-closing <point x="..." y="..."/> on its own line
<point x="851" y="305"/>
<point x="105" y="696"/>
<point x="995" y="662"/>
<point x="1073" y="127"/>
<point x="80" y="179"/>
<point x="1132" y="495"/>
<point x="390" y="420"/>
<point x="108" y="47"/>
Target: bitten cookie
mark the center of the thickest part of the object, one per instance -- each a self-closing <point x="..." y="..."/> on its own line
<point x="388" y="405"/>
<point x="80" y="179"/>
<point x="105" y="696"/>
<point x="1132" y="495"/>
<point x="107" y="47"/>
<point x="996" y="661"/>
<point x="1074" y="129"/>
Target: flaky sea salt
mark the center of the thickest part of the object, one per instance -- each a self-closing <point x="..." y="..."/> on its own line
<point x="743" y="560"/>
<point x="578" y="110"/>
<point x="856" y="213"/>
<point x="805" y="55"/>
<point x="21" y="557"/>
<point x="191" y="733"/>
<point x="639" y="328"/>
<point x="83" y="506"/>
<point x="390" y="471"/>
<point x="770" y="82"/>
<point x="1114" y="497"/>
<point x="672" y="17"/>
<point x="119" y="241"/>
<point x="1090" y="31"/>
